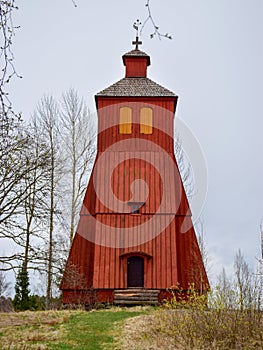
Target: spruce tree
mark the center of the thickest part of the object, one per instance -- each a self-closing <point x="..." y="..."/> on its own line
<point x="22" y="299"/>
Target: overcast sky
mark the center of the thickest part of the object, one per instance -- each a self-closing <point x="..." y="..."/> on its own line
<point x="214" y="64"/>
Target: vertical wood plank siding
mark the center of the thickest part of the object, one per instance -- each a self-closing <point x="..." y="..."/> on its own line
<point x="99" y="254"/>
<point x="172" y="257"/>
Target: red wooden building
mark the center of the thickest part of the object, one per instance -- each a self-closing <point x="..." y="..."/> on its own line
<point x="135" y="228"/>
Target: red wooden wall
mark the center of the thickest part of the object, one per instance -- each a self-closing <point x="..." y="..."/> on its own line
<point x="108" y="233"/>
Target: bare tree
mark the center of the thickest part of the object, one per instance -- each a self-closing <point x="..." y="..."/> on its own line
<point x="185" y="167"/>
<point x="244" y="291"/>
<point x="5" y="301"/>
<point x="47" y="113"/>
<point x="61" y="143"/>
<point x="12" y="170"/>
<point x="17" y="166"/>
<point x="4" y="285"/>
<point x="226" y="295"/>
<point x="33" y="212"/>
<point x="244" y="281"/>
<point x="187" y="176"/>
<point x="7" y="32"/>
<point x="78" y="134"/>
<point x="7" y="66"/>
<point x="200" y="233"/>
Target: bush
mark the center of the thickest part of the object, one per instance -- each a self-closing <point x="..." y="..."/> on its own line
<point x="6" y="305"/>
<point x="193" y="325"/>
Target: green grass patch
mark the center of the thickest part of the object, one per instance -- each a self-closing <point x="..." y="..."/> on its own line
<point x="93" y="330"/>
<point x="61" y="330"/>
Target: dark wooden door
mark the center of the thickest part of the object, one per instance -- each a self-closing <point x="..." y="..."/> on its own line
<point x="135" y="271"/>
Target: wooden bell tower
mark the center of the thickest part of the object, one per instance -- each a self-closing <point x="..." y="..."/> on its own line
<point x="135" y="228"/>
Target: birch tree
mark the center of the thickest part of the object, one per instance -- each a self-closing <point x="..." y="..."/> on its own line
<point x="48" y="113"/>
<point x="78" y="136"/>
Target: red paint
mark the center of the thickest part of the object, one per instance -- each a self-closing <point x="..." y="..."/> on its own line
<point x="94" y="270"/>
<point x="135" y="67"/>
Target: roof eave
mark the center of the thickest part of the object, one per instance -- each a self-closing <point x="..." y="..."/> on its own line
<point x="175" y="98"/>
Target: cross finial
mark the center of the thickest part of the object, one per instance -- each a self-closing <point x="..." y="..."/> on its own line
<point x="137" y="42"/>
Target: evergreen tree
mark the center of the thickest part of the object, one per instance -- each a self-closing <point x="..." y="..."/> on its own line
<point x="22" y="299"/>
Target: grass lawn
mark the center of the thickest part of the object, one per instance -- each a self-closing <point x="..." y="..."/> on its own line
<point x="117" y="329"/>
<point x="93" y="330"/>
<point x="61" y="330"/>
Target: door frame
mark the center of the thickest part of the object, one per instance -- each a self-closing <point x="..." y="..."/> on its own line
<point x="124" y="266"/>
<point x="141" y="271"/>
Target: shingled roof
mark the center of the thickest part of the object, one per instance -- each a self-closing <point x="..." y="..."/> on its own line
<point x="136" y="52"/>
<point x="136" y="87"/>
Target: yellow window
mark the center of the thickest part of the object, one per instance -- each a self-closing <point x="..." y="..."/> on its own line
<point x="125" y="126"/>
<point x="146" y="121"/>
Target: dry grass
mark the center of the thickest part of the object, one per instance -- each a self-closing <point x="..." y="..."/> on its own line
<point x="170" y="328"/>
<point x="146" y="333"/>
<point x="193" y="328"/>
<point x="30" y="330"/>
<point x="68" y="329"/>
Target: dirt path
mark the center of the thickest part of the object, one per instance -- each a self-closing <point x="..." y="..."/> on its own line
<point x="141" y="333"/>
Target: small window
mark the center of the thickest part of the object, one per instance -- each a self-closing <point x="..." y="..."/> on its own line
<point x="135" y="207"/>
<point x="125" y="126"/>
<point x="146" y="121"/>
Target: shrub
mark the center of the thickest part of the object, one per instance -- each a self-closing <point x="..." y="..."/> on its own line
<point x="6" y="304"/>
<point x="204" y="322"/>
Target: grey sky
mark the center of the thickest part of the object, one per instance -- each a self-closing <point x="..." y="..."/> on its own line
<point x="214" y="64"/>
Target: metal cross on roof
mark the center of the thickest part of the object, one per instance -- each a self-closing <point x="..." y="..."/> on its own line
<point x="137" y="42"/>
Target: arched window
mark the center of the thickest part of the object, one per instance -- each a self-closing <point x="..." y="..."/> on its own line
<point x="146" y="121"/>
<point x="125" y="126"/>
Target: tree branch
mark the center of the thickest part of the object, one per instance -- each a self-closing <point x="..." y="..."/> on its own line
<point x="7" y="32"/>
<point x="156" y="31"/>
